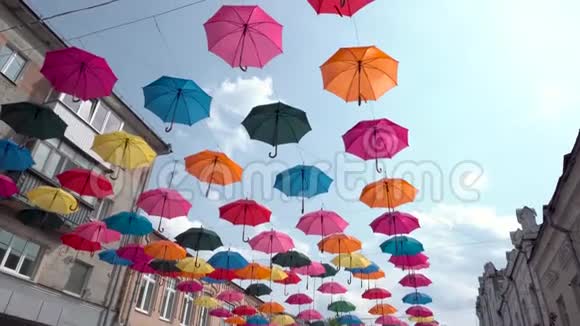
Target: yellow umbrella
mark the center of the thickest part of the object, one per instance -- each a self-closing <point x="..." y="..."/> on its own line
<point x="282" y="320"/>
<point x="422" y="319"/>
<point x="354" y="260"/>
<point x="278" y="274"/>
<point x="206" y="302"/>
<point x="123" y="149"/>
<point x="194" y="266"/>
<point x="53" y="200"/>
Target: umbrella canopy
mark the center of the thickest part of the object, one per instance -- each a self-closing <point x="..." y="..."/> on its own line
<point x="339" y="244"/>
<point x="388" y="321"/>
<point x="194" y="265"/>
<point x="124" y="150"/>
<point x="309" y="315"/>
<point x="40" y="219"/>
<point x="165" y="268"/>
<point x="243" y="36"/>
<point x="299" y="299"/>
<point x="376" y="294"/>
<point x="142" y="266"/>
<point x="349" y="320"/>
<point x="370" y="276"/>
<point x="401" y="246"/>
<point x="199" y="238"/>
<point x="304" y="181"/>
<point x="374" y="139"/>
<point x="245" y="212"/>
<point x="341" y="306"/>
<point x="257" y="320"/>
<point x="291" y="259"/>
<point x="328" y="271"/>
<point x="129" y="223"/>
<point x="361" y="73"/>
<point x="164" y="249"/>
<point x="110" y="256"/>
<point x="163" y="202"/>
<point x="206" y="302"/>
<point x="33" y="120"/>
<point x="388" y="193"/>
<point x="177" y="100"/>
<point x="79" y="243"/>
<point x="282" y="320"/>
<point x="276" y="124"/>
<point x="338" y="7"/>
<point x="229" y="260"/>
<point x="321" y="223"/>
<point x="190" y="286"/>
<point x="332" y="288"/>
<point x="254" y="271"/>
<point x="230" y="296"/>
<point x="419" y="311"/>
<point x="271" y="242"/>
<point x="393" y="223"/>
<point x="97" y="231"/>
<point x="223" y="274"/>
<point x="213" y="168"/>
<point x="13" y="157"/>
<point x="422" y="319"/>
<point x="235" y="320"/>
<point x="431" y="323"/>
<point x="85" y="183"/>
<point x="220" y="313"/>
<point x="382" y="309"/>
<point x="271" y="308"/>
<point x="366" y="270"/>
<point x="258" y="290"/>
<point x="277" y="274"/>
<point x="415" y="281"/>
<point x="417" y="298"/>
<point x="134" y="253"/>
<point x="53" y="200"/>
<point x="211" y="280"/>
<point x="315" y="268"/>
<point x="292" y="278"/>
<point x="78" y="73"/>
<point x="407" y="262"/>
<point x="354" y="260"/>
<point x="245" y="310"/>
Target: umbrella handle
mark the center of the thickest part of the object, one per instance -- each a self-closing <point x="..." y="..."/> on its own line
<point x="243" y="68"/>
<point x="302" y="205"/>
<point x="207" y="191"/>
<point x="244" y="239"/>
<point x="74" y="207"/>
<point x="285" y="290"/>
<point x="115" y="177"/>
<point x="76" y="99"/>
<point x="197" y="264"/>
<point x="168" y="129"/>
<point x="349" y="281"/>
<point x="159" y="228"/>
<point x="379" y="169"/>
<point x="275" y="152"/>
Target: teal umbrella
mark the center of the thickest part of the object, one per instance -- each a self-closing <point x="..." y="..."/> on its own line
<point x="33" y="120"/>
<point x="276" y="124"/>
<point x="402" y="246"/>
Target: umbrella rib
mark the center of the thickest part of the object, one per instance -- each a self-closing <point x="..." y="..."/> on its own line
<point x="255" y="49"/>
<point x="224" y="36"/>
<point x="379" y="69"/>
<point x="371" y="85"/>
<point x="266" y="36"/>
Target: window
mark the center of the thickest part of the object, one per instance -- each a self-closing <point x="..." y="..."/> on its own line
<point x="166" y="311"/>
<point x="11" y="63"/>
<point x="186" y="307"/>
<point x="78" y="278"/>
<point x="203" y="317"/>
<point x="96" y="113"/>
<point x="17" y="255"/>
<point x="145" y="293"/>
<point x="562" y="312"/>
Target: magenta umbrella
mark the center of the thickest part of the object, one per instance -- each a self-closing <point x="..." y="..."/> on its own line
<point x="78" y="73"/>
<point x="97" y="231"/>
<point x="134" y="253"/>
<point x="376" y="294"/>
<point x="299" y="299"/>
<point x="230" y="296"/>
<point x="163" y="202"/>
<point x="415" y="281"/>
<point x="314" y="269"/>
<point x="419" y="311"/>
<point x="220" y="313"/>
<point x="190" y="286"/>
<point x="310" y="315"/>
<point x="388" y="320"/>
<point x="374" y="139"/>
<point x="409" y="262"/>
<point x="392" y="223"/>
<point x="339" y="7"/>
<point x="244" y="36"/>
<point x="321" y="223"/>
<point x="332" y="288"/>
<point x="271" y="242"/>
<point x="142" y="266"/>
<point x="7" y="186"/>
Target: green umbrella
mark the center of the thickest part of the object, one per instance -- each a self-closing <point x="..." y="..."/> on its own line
<point x="198" y="239"/>
<point x="33" y="120"/>
<point x="258" y="289"/>
<point x="276" y="124"/>
<point x="40" y="219"/>
<point x="329" y="271"/>
<point x="291" y="259"/>
<point x="341" y="306"/>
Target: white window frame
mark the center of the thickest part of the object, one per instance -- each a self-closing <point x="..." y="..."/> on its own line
<point x="16" y="272"/>
<point x="169" y="292"/>
<point x="10" y="61"/>
<point x="150" y="282"/>
<point x="203" y="316"/>
<point x="96" y="105"/>
<point x="85" y="281"/>
<point x="187" y="308"/>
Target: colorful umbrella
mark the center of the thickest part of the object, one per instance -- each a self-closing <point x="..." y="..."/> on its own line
<point x="258" y="290"/>
<point x="245" y="310"/>
<point x="292" y="278"/>
<point x="194" y="266"/>
<point x="339" y="244"/>
<point x="271" y="242"/>
<point x="177" y="100"/>
<point x="85" y="183"/>
<point x="422" y="319"/>
<point x="211" y="280"/>
<point x="304" y="181"/>
<point x="213" y="168"/>
<point x="401" y="246"/>
<point x="164" y="249"/>
<point x="291" y="259"/>
<point x="206" y="302"/>
<point x="190" y="286"/>
<point x="163" y="202"/>
<point x="244" y="36"/>
<point x="431" y="323"/>
<point x="199" y="238"/>
<point x="349" y="320"/>
<point x="53" y="200"/>
<point x="354" y="260"/>
<point x="365" y="270"/>
<point x="388" y="321"/>
<point x="321" y="223"/>
<point x="328" y="271"/>
<point x="124" y="150"/>
<point x="359" y="73"/>
<point x="79" y="243"/>
<point x="142" y="266"/>
<point x="110" y="256"/>
<point x="235" y="320"/>
<point x="314" y="268"/>
<point x="271" y="308"/>
<point x="408" y="262"/>
<point x="341" y="306"/>
<point x="393" y="223"/>
<point x="229" y="260"/>
<point x="376" y="294"/>
<point x="415" y="281"/>
<point x="299" y="299"/>
<point x="245" y="212"/>
<point x="134" y="253"/>
<point x="165" y="268"/>
<point x="282" y="320"/>
<point x="277" y="274"/>
<point x="33" y="120"/>
<point x="276" y="124"/>
<point x="370" y="276"/>
<point x="388" y="193"/>
<point x="13" y="157"/>
<point x="129" y="223"/>
<point x="419" y="311"/>
<point x="382" y="309"/>
<point x="332" y="288"/>
<point x="257" y="320"/>
<point x="341" y="7"/>
<point x="309" y="315"/>
<point x="222" y="275"/>
<point x="78" y="73"/>
<point x="7" y="187"/>
<point x="97" y="231"/>
<point x="40" y="219"/>
<point x="230" y="296"/>
<point x="254" y="271"/>
<point x="417" y="298"/>
<point x="374" y="139"/>
<point x="192" y="276"/>
<point x="220" y="313"/>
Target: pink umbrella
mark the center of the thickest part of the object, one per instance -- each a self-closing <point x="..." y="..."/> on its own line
<point x="408" y="262"/>
<point x="376" y="294"/>
<point x="244" y="36"/>
<point x="388" y="321"/>
<point x="142" y="266"/>
<point x="332" y="288"/>
<point x="314" y="269"/>
<point x="78" y="73"/>
<point x="7" y="186"/>
<point x="163" y="202"/>
<point x="309" y="315"/>
<point x="230" y="296"/>
<point x="415" y="267"/>
<point x="190" y="286"/>
<point x="299" y="299"/>
<point x="134" y="253"/>
<point x="321" y="223"/>
<point x="340" y="7"/>
<point x="374" y="139"/>
<point x="415" y="281"/>
<point x="220" y="313"/>
<point x="96" y="231"/>
<point x="271" y="242"/>
<point x="419" y="311"/>
<point x="392" y="223"/>
<point x="433" y="323"/>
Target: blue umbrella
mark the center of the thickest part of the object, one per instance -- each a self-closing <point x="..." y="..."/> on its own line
<point x="13" y="157"/>
<point x="257" y="320"/>
<point x="227" y="260"/>
<point x="349" y="320"/>
<point x="402" y="246"/>
<point x="129" y="223"/>
<point x="367" y="270"/>
<point x="177" y="100"/>
<point x="211" y="280"/>
<point x="110" y="256"/>
<point x="417" y="298"/>
<point x="302" y="181"/>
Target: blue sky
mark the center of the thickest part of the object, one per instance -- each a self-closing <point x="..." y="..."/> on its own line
<point x="492" y="83"/>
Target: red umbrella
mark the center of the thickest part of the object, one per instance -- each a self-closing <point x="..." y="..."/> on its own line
<point x="86" y="183"/>
<point x="419" y="311"/>
<point x="339" y="7"/>
<point x="223" y="274"/>
<point x="376" y="294"/>
<point x="134" y="253"/>
<point x="245" y="212"/>
<point x="7" y="186"/>
<point x="292" y="278"/>
<point x="220" y="313"/>
<point x="415" y="281"/>
<point x="79" y="243"/>
<point x="190" y="286"/>
<point x="142" y="266"/>
<point x="299" y="299"/>
<point x="97" y="231"/>
<point x="244" y="310"/>
<point x="78" y="73"/>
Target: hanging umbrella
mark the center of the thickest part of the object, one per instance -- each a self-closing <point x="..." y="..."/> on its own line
<point x="339" y="7"/>
<point x="299" y="299"/>
<point x="229" y="260"/>
<point x="78" y="73"/>
<point x="192" y="276"/>
<point x="194" y="265"/>
<point x="177" y="100"/>
<point x="245" y="212"/>
<point x="7" y="187"/>
<point x="388" y="193"/>
<point x="321" y="223"/>
<point x="271" y="242"/>
<point x="110" y="256"/>
<point x="235" y="320"/>
<point x="243" y="36"/>
<point x="361" y="73"/>
<point x="213" y="168"/>
<point x="230" y="296"/>
<point x="302" y="181"/>
<point x="376" y="294"/>
<point x="124" y="150"/>
<point x="432" y="323"/>
<point x="276" y="124"/>
<point x="419" y="311"/>
<point x="257" y="320"/>
<point x="315" y="268"/>
<point x="388" y="321"/>
<point x="211" y="280"/>
<point x="415" y="281"/>
<point x="318" y="323"/>
<point x="393" y="223"/>
<point x="271" y="308"/>
<point x="53" y="200"/>
<point x="33" y="120"/>
<point x="97" y="231"/>
<point x="220" y="313"/>
<point x="407" y="262"/>
<point x="292" y="278"/>
<point x="277" y="274"/>
<point x="309" y="315"/>
<point x="374" y="139"/>
<point x="339" y="244"/>
<point x="258" y="290"/>
<point x="365" y="270"/>
<point x="129" y="223"/>
<point x="332" y="288"/>
<point x="143" y="267"/>
<point x="163" y="202"/>
<point x="14" y="157"/>
<point x="282" y="320"/>
<point x="401" y="246"/>
<point x="354" y="260"/>
<point x="329" y="271"/>
<point x="341" y="306"/>
<point x="165" y="268"/>
<point x="291" y="259"/>
<point x="134" y="253"/>
<point x="422" y="319"/>
<point x="190" y="286"/>
<point x="164" y="249"/>
<point x="349" y="320"/>
<point x="79" y="243"/>
<point x="222" y="274"/>
<point x="417" y="298"/>
<point x="254" y="271"/>
<point x="40" y="219"/>
<point x="199" y="238"/>
<point x="205" y="301"/>
<point x="370" y="276"/>
<point x="244" y="310"/>
<point x="382" y="309"/>
<point x="85" y="183"/>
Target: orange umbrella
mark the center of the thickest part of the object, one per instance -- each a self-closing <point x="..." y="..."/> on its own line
<point x="235" y="320"/>
<point x="271" y="308"/>
<point x="388" y="193"/>
<point x="382" y="309"/>
<point x="192" y="275"/>
<point x="370" y="276"/>
<point x="339" y="243"/>
<point x="165" y="250"/>
<point x="359" y="73"/>
<point x="253" y="271"/>
<point x="213" y="168"/>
